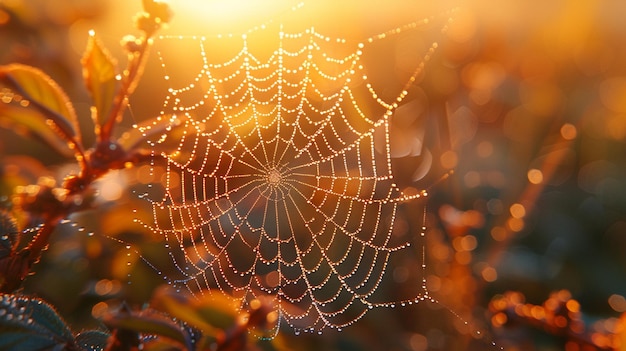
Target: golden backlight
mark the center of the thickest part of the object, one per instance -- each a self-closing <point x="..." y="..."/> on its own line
<point x="198" y="17"/>
<point x="511" y="114"/>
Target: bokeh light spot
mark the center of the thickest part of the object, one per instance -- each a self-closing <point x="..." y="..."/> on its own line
<point x="99" y="309"/>
<point x="484" y="149"/>
<point x="568" y="131"/>
<point x="418" y="342"/>
<point x="517" y="210"/>
<point x="535" y="176"/>
<point x="617" y="303"/>
<point x="498" y="233"/>
<point x="515" y="224"/>
<point x="489" y="274"/>
<point x="471" y="179"/>
<point x="449" y="159"/>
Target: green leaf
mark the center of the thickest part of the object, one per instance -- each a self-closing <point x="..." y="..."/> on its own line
<point x="31" y="123"/>
<point x="212" y="314"/>
<point x="9" y="234"/>
<point x="219" y="311"/>
<point x="34" y="102"/>
<point x="92" y="340"/>
<point x="149" y="323"/>
<point x="31" y="324"/>
<point x="14" y="339"/>
<point x="99" y="70"/>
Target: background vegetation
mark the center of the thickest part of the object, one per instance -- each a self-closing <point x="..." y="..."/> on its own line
<point x="526" y="101"/>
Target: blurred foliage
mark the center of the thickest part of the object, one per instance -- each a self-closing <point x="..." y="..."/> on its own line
<point x="31" y="324"/>
<point x="174" y="322"/>
<point x="526" y="101"/>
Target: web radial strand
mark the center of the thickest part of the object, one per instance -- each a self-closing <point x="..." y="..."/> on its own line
<point x="275" y="184"/>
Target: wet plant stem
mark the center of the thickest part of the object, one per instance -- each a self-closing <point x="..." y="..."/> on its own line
<point x="103" y="157"/>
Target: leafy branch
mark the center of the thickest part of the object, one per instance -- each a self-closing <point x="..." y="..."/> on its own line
<point x="560" y="315"/>
<point x="36" y="105"/>
<point x="32" y="102"/>
<point x="174" y="321"/>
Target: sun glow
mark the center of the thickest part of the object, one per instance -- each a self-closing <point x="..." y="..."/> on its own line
<point x="358" y="18"/>
<point x="232" y="15"/>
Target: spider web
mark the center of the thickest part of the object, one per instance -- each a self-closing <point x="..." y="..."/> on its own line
<point x="279" y="182"/>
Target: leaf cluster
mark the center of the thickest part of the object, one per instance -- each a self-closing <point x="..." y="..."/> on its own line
<point x="174" y="321"/>
<point x="32" y="103"/>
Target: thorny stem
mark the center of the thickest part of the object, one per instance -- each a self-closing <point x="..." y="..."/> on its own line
<point x="40" y="241"/>
<point x="16" y="267"/>
<point x="19" y="264"/>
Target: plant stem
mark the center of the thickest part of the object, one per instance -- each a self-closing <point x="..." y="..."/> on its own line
<point x="16" y="267"/>
<point x="130" y="79"/>
<point x="94" y="164"/>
